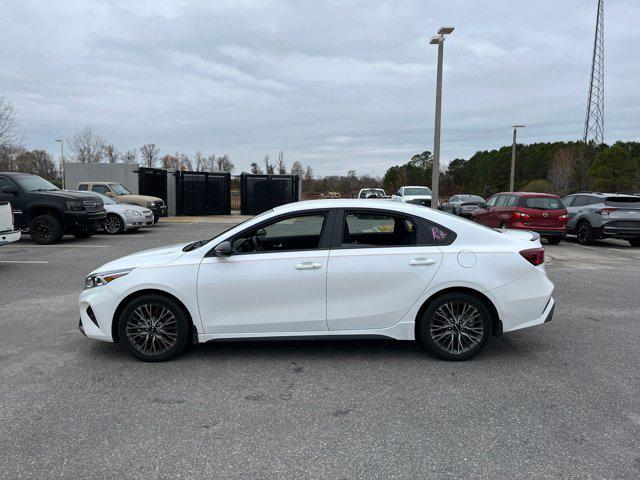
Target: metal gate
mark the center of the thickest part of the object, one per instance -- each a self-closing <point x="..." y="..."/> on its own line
<point x="153" y="182"/>
<point x="261" y="192"/>
<point x="203" y="193"/>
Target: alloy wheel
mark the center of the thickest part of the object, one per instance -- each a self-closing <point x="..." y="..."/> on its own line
<point x="44" y="230"/>
<point x="112" y="224"/>
<point x="583" y="232"/>
<point x="152" y="329"/>
<point x="457" y="327"/>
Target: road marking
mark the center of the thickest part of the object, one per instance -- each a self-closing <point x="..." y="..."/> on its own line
<point x="23" y="261"/>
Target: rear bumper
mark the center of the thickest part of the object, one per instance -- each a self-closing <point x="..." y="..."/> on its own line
<point x="542" y="231"/>
<point x="620" y="232"/>
<point x="9" y="237"/>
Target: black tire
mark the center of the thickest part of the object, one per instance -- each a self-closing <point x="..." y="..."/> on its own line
<point x="45" y="230"/>
<point x="132" y="328"/>
<point x="634" y="242"/>
<point x="83" y="233"/>
<point x="433" y="326"/>
<point x="503" y="226"/>
<point x="156" y="217"/>
<point x="584" y="233"/>
<point x="554" y="240"/>
<point x="113" y="224"/>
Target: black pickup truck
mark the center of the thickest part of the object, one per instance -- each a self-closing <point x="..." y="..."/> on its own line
<point x="47" y="212"/>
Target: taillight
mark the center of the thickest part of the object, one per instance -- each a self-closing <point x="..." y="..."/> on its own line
<point x="563" y="217"/>
<point x="606" y="211"/>
<point x="521" y="215"/>
<point x="535" y="256"/>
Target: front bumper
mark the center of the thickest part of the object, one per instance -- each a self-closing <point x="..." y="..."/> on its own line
<point x="159" y="211"/>
<point x="97" y="308"/>
<point x="9" y="236"/>
<point x="83" y="220"/>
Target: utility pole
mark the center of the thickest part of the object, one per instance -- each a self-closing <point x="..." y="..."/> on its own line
<point x="435" y="170"/>
<point x="594" y="121"/>
<point x="58" y="140"/>
<point x="513" y="158"/>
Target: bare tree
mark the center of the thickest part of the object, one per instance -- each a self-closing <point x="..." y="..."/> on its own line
<point x="255" y="169"/>
<point x="224" y="164"/>
<point x="282" y="167"/>
<point x="201" y="161"/>
<point x="149" y="153"/>
<point x="561" y="171"/>
<point x="185" y="162"/>
<point x="110" y="153"/>
<point x="8" y="123"/>
<point x="86" y="146"/>
<point x="269" y="168"/>
<point x="297" y="169"/>
<point x="130" y="156"/>
<point x="308" y="174"/>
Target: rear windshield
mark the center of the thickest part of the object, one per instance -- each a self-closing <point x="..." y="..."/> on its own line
<point x="623" y="201"/>
<point x="471" y="198"/>
<point x="541" y="203"/>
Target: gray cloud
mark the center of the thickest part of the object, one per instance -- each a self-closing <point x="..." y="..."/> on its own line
<point x="336" y="84"/>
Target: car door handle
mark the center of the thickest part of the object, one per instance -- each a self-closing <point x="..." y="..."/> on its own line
<point x="308" y="266"/>
<point x="421" y="261"/>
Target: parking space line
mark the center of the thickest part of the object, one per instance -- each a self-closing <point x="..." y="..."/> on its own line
<point x="62" y="246"/>
<point x="23" y="261"/>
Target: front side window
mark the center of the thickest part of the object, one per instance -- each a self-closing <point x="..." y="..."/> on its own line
<point x="453" y="199"/>
<point x="365" y="229"/>
<point x="581" y="201"/>
<point x="301" y="232"/>
<point x="5" y="183"/>
<point x="82" y="186"/>
<point x="492" y="201"/>
<point x="119" y="189"/>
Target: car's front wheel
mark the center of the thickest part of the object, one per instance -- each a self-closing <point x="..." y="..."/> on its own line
<point x="455" y="326"/>
<point x="153" y="328"/>
<point x="113" y="224"/>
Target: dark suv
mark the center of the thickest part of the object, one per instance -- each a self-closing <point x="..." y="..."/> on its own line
<point x="594" y="215"/>
<point x="48" y="212"/>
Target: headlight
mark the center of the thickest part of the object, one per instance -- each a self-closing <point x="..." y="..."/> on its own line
<point x="152" y="204"/>
<point x="135" y="213"/>
<point x="99" y="279"/>
<point x="75" y="205"/>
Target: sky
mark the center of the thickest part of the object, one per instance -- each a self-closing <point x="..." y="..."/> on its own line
<point x="337" y="85"/>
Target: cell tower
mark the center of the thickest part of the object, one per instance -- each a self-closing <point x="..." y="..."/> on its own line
<point x="594" y="122"/>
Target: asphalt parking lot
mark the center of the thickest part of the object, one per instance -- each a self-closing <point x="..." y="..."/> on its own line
<point x="556" y="401"/>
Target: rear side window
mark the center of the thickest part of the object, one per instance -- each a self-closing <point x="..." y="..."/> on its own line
<point x="541" y="203"/>
<point x="366" y="229"/>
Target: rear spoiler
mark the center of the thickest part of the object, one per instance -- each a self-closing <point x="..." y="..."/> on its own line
<point x="520" y="234"/>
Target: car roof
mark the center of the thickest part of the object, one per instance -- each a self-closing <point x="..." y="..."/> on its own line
<point x="382" y="204"/>
<point x="92" y="182"/>
<point x="17" y="174"/>
<point x="601" y="194"/>
<point x="529" y="194"/>
<point x="414" y="186"/>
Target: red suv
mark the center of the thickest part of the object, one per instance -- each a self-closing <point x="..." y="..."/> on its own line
<point x="539" y="212"/>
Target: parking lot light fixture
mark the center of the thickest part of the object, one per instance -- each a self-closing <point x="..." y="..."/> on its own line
<point x="513" y="157"/>
<point x="59" y="140"/>
<point x="435" y="172"/>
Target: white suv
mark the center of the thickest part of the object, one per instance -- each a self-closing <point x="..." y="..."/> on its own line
<point x="416" y="195"/>
<point x="7" y="233"/>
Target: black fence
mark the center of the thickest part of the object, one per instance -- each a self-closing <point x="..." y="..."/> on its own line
<point x="153" y="182"/>
<point x="262" y="192"/>
<point x="203" y="193"/>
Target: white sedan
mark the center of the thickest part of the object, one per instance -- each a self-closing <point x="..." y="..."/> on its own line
<point x="325" y="268"/>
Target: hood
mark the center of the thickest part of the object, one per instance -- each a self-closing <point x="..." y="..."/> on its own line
<point x="67" y="195"/>
<point x="137" y="199"/>
<point x="147" y="258"/>
<point x="417" y="197"/>
<point x="121" y="207"/>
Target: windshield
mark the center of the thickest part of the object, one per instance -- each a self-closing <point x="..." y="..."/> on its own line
<point x="417" y="191"/>
<point x="119" y="189"/>
<point x="471" y="198"/>
<point x="33" y="183"/>
<point x="541" y="203"/>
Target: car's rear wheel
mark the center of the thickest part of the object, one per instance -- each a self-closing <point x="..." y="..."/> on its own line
<point x="554" y="240"/>
<point x="153" y="328"/>
<point x="634" y="242"/>
<point x="584" y="233"/>
<point x="503" y="226"/>
<point x="45" y="230"/>
<point x="113" y="224"/>
<point x="455" y="326"/>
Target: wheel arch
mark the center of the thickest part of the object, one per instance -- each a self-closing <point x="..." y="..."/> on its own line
<point x="36" y="210"/>
<point x="193" y="330"/>
<point x="496" y="323"/>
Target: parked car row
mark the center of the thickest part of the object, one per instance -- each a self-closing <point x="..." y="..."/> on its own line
<point x="48" y="213"/>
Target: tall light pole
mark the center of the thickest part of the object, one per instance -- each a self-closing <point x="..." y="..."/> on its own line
<point x="513" y="158"/>
<point x="58" y="140"/>
<point x="435" y="173"/>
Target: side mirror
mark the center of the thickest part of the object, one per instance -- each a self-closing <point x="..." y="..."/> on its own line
<point x="10" y="189"/>
<point x="223" y="249"/>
